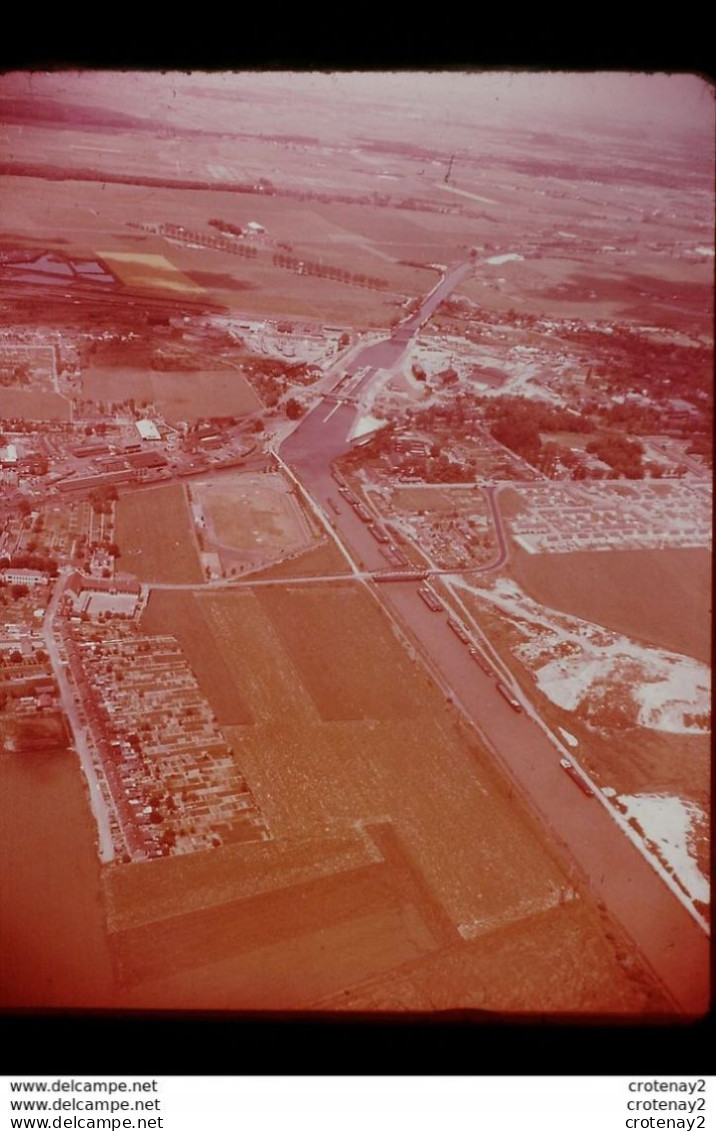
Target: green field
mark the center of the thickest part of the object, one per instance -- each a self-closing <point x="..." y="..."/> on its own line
<point x="179" y="395"/>
<point x="661" y="597"/>
<point x="181" y="614"/>
<point x="29" y="404"/>
<point x="342" y="646"/>
<point x="42" y="733"/>
<point x="324" y="559"/>
<point x="155" y="535"/>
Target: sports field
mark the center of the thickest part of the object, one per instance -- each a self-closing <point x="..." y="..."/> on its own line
<point x="254" y="513"/>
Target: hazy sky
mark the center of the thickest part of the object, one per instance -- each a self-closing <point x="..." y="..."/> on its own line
<point x="652" y="99"/>
<point x="532" y="98"/>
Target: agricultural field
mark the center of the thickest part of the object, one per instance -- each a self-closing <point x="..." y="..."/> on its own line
<point x="179" y="395"/>
<point x="358" y="917"/>
<point x="569" y="287"/>
<point x="194" y="881"/>
<point x="441" y="500"/>
<point x="115" y="383"/>
<point x="640" y="593"/>
<point x="30" y="404"/>
<point x="563" y="950"/>
<point x="188" y="396"/>
<point x="181" y="614"/>
<point x="43" y="733"/>
<point x="324" y="559"/>
<point x="635" y="716"/>
<point x="250" y="287"/>
<point x="344" y="668"/>
<point x="53" y="946"/>
<point x="154" y="531"/>
<point x="137" y="269"/>
<point x="429" y="858"/>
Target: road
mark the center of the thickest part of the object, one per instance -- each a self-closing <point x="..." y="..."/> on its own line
<point x="97" y="801"/>
<point x="647" y="905"/>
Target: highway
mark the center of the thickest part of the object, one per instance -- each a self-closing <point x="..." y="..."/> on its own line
<point x="596" y="843"/>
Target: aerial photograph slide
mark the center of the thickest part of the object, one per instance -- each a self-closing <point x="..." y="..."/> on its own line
<point x="355" y="543"/>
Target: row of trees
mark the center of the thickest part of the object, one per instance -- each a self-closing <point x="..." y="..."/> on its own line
<point x="101" y="499"/>
<point x="16" y="375"/>
<point x="27" y="560"/>
<point x="328" y="271"/>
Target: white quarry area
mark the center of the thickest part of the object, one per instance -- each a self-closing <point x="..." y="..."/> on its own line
<point x="510" y="258"/>
<point x="672" y="824"/>
<point x="264" y="338"/>
<point x="376" y="405"/>
<point x="365" y="424"/>
<point x="580" y="664"/>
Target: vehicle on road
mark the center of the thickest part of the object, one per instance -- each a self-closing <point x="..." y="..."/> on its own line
<point x="509" y="696"/>
<point x="363" y="513"/>
<point x="577" y="778"/>
<point x="334" y="505"/>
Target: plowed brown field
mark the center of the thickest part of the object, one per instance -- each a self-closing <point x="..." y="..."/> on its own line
<point x="399" y="858"/>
